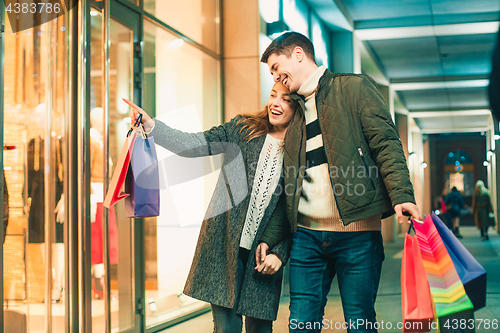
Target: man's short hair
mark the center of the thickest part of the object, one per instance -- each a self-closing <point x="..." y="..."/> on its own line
<point x="286" y="43"/>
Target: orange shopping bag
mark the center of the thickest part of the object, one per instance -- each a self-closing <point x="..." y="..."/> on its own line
<point x="114" y="193"/>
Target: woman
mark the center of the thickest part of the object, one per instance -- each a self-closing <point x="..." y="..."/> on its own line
<point x="232" y="268"/>
<point x="481" y="209"/>
<point x="454" y="204"/>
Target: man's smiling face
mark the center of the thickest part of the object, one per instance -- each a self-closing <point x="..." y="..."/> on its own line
<point x="285" y="70"/>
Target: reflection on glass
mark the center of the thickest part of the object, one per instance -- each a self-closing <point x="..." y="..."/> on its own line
<point x="35" y="103"/>
<point x="197" y="19"/>
<point x="319" y="41"/>
<point x="295" y="15"/>
<point x="120" y="227"/>
<point x="181" y="88"/>
<point x="269" y="10"/>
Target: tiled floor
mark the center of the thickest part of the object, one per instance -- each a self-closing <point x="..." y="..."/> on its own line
<point x="388" y="304"/>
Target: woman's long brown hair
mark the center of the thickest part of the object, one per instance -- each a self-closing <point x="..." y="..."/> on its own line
<point x="256" y="124"/>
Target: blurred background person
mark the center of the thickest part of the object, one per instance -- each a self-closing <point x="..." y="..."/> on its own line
<point x="454" y="204"/>
<point x="481" y="209"/>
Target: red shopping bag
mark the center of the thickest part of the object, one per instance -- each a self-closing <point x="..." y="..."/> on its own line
<point x="416" y="298"/>
<point x="96" y="256"/>
<point x="114" y="193"/>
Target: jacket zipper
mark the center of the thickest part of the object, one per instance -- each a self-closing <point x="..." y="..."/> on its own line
<point x="366" y="166"/>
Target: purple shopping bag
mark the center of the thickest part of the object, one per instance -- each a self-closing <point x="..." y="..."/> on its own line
<point x="142" y="181"/>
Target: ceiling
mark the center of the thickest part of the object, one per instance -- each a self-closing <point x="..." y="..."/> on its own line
<point x="435" y="54"/>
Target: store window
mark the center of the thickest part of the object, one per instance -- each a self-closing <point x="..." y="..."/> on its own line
<point x="197" y="19"/>
<point x="269" y="10"/>
<point x="319" y="40"/>
<point x="36" y="100"/>
<point x="295" y="14"/>
<point x="182" y="90"/>
<point x="120" y="226"/>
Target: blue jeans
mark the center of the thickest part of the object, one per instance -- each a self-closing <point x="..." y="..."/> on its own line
<point x="228" y="320"/>
<point x="315" y="258"/>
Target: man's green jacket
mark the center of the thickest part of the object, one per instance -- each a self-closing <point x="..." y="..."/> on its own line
<point x="365" y="156"/>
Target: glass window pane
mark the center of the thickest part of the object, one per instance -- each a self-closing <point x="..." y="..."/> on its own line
<point x="197" y="19"/>
<point x="36" y="98"/>
<point x="295" y="15"/>
<point x="319" y="40"/>
<point x="182" y="89"/>
<point x="120" y="226"/>
<point x="269" y="10"/>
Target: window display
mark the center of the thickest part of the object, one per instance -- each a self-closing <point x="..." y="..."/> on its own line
<point x="35" y="97"/>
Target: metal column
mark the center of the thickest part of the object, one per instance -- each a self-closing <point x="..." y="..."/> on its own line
<point x="106" y="21"/>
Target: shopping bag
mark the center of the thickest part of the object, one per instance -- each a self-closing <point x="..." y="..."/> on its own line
<point x="114" y="193"/>
<point x="470" y="271"/>
<point x="142" y="180"/>
<point x="416" y="298"/>
<point x="96" y="251"/>
<point x="447" y="291"/>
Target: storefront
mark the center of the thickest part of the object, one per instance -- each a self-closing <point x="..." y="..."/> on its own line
<point x="63" y="116"/>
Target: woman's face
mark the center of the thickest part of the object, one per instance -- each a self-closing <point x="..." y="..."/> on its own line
<point x="280" y="105"/>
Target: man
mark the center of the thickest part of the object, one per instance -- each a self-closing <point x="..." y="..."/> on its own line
<point x="344" y="170"/>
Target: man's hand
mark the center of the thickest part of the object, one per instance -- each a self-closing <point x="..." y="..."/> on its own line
<point x="407" y="207"/>
<point x="271" y="265"/>
<point x="261" y="253"/>
<point x="266" y="264"/>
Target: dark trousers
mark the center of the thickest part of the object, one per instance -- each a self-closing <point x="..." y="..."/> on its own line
<point x="227" y="320"/>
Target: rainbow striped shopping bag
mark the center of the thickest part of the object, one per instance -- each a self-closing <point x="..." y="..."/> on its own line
<point x="471" y="273"/>
<point x="447" y="290"/>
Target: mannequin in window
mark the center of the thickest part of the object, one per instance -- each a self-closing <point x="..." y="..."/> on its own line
<point x="35" y="207"/>
<point x="96" y="199"/>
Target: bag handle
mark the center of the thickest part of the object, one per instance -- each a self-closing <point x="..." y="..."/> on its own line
<point x="411" y="227"/>
<point x="138" y="124"/>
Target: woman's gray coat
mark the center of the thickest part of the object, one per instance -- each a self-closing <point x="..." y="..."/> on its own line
<point x="213" y="272"/>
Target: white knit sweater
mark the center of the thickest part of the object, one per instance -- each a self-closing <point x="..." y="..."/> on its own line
<point x="266" y="179"/>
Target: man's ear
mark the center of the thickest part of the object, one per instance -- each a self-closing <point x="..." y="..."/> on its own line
<point x="299" y="53"/>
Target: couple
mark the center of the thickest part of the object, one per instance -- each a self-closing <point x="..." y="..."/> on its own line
<point x="325" y="165"/>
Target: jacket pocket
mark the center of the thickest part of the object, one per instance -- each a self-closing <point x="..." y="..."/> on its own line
<point x="366" y="168"/>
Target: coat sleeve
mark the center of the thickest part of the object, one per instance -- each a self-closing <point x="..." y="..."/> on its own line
<point x="278" y="227"/>
<point x="214" y="141"/>
<point x="381" y="135"/>
<point x="282" y="249"/>
<point x="278" y="234"/>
